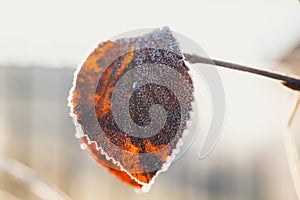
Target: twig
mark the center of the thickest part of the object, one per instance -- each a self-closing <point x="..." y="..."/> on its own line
<point x="293" y="159"/>
<point x="291" y="151"/>
<point x="290" y="82"/>
<point x="294" y="112"/>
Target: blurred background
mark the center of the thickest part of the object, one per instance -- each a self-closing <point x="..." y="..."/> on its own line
<point x="42" y="42"/>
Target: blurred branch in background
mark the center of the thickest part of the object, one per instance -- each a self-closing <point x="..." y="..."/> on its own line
<point x="292" y="158"/>
<point x="37" y="185"/>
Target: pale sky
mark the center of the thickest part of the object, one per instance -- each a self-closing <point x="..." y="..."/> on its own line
<point x="61" y="33"/>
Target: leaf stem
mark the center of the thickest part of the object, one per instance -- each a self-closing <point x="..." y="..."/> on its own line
<point x="290" y="82"/>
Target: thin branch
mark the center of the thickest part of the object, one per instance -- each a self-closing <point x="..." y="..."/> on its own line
<point x="294" y="111"/>
<point x="292" y="158"/>
<point x="290" y="82"/>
